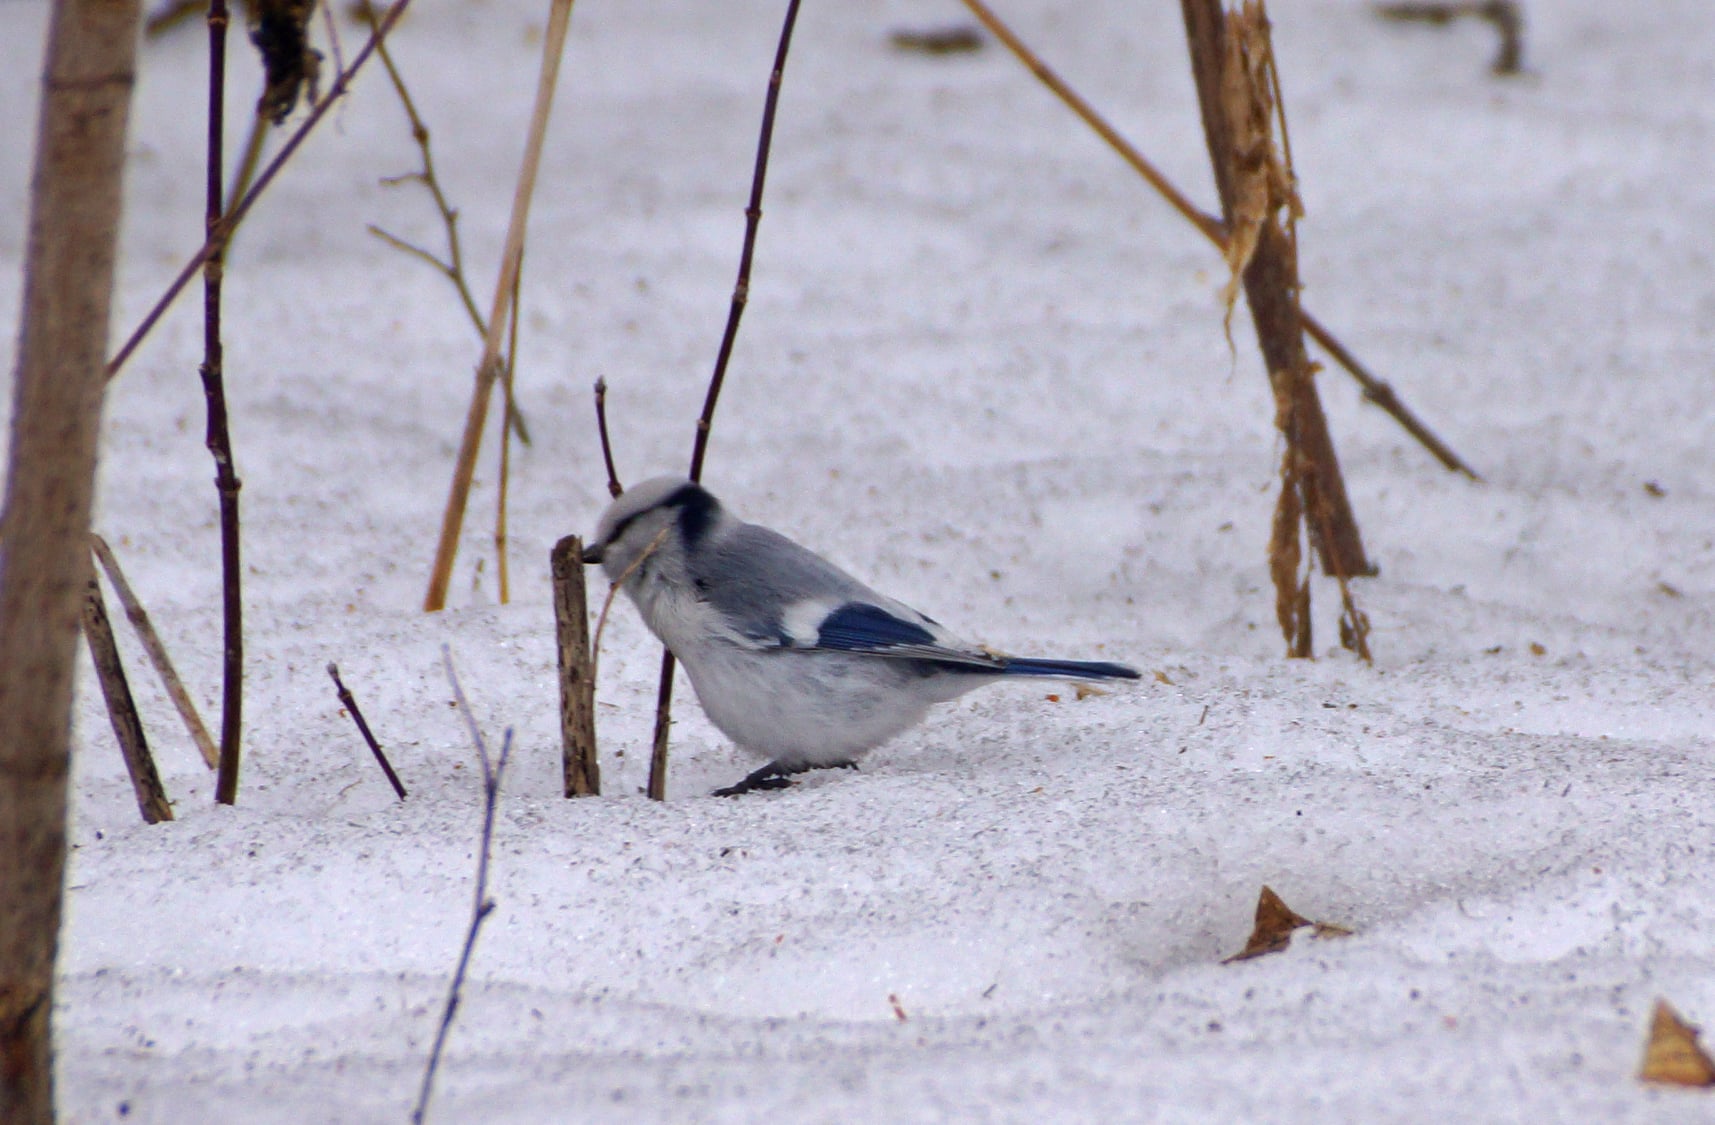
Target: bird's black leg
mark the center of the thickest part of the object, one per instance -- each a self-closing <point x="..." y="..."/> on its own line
<point x="771" y="776"/>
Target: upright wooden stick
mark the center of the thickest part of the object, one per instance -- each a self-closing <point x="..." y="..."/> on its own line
<point x="581" y="767"/>
<point x="76" y="192"/>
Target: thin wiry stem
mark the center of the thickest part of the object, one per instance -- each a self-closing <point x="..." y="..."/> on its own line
<point x="482" y="906"/>
<point x="705" y="422"/>
<point x="219" y="436"/>
<point x="218" y="237"/>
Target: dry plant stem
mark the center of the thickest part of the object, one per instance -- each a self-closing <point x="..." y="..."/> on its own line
<point x="506" y="445"/>
<point x="219" y="437"/>
<point x="614" y="488"/>
<point x="122" y="709"/>
<point x="581" y="767"/>
<point x="75" y="200"/>
<point x="218" y="239"/>
<point x="349" y="702"/>
<point x="157" y="652"/>
<point x="483" y="906"/>
<point x="1271" y="289"/>
<point x="249" y="161"/>
<point x="705" y="422"/>
<point x="488" y="369"/>
<point x="453" y="266"/>
<point x="1215" y="231"/>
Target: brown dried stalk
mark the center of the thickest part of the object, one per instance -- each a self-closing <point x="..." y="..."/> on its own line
<point x="122" y="709"/>
<point x="581" y="767"/>
<point x="489" y="368"/>
<point x="501" y="569"/>
<point x="1213" y="229"/>
<point x="157" y="652"/>
<point x="705" y="422"/>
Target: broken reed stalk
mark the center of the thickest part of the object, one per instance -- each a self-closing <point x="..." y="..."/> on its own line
<point x="349" y="702"/>
<point x="157" y="652"/>
<point x="614" y="488"/>
<point x="122" y="709"/>
<point x="500" y="567"/>
<point x="452" y="267"/>
<point x="1374" y="390"/>
<point x="705" y="422"/>
<point x="482" y="906"/>
<point x="1237" y="90"/>
<point x="488" y="369"/>
<point x="217" y="239"/>
<point x="219" y="436"/>
<point x="581" y="766"/>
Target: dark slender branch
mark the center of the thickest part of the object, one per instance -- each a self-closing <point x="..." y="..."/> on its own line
<point x="752" y="218"/>
<point x="614" y="488"/>
<point x="157" y="652"/>
<point x="705" y="422"/>
<point x="218" y="237"/>
<point x="482" y="905"/>
<point x="219" y="435"/>
<point x="1213" y="229"/>
<point x="349" y="702"/>
<point x="122" y="709"/>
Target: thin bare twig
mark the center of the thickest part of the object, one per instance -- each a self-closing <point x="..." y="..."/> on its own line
<point x="122" y="709"/>
<point x="488" y="369"/>
<point x="349" y="702"/>
<point x="219" y="434"/>
<point x="614" y="488"/>
<point x="482" y="906"/>
<point x="453" y="266"/>
<point x="1506" y="15"/>
<point x="1215" y="231"/>
<point x="157" y="652"/>
<point x="218" y="238"/>
<point x="705" y="421"/>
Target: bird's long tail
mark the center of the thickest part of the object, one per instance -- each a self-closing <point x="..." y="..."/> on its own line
<point x="1068" y="669"/>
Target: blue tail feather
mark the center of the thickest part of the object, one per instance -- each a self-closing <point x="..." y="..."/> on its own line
<point x="1068" y="669"/>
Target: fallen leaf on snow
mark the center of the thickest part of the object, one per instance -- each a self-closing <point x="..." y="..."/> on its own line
<point x="1275" y="922"/>
<point x="1673" y="1055"/>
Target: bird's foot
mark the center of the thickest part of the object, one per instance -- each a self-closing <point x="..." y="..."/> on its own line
<point x="771" y="776"/>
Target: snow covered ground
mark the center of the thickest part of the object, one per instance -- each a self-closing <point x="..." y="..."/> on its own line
<point x="983" y="367"/>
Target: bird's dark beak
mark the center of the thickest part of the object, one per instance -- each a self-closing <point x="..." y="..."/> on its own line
<point x="592" y="554"/>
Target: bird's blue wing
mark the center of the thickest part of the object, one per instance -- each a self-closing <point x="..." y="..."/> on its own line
<point x="862" y="627"/>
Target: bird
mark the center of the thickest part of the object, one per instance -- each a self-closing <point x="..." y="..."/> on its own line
<point x="791" y="657"/>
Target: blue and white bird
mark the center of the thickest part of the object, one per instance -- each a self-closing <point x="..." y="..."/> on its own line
<point x="791" y="657"/>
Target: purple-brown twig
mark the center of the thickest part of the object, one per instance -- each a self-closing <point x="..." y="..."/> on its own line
<point x="482" y="906"/>
<point x="705" y="422"/>
<point x="349" y="702"/>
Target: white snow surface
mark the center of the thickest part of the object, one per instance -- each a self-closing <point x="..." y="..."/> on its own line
<point x="983" y="367"/>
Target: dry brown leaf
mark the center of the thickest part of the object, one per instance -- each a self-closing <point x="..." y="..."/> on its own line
<point x="1085" y="691"/>
<point x="1275" y="922"/>
<point x="1161" y="678"/>
<point x="1673" y="1055"/>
